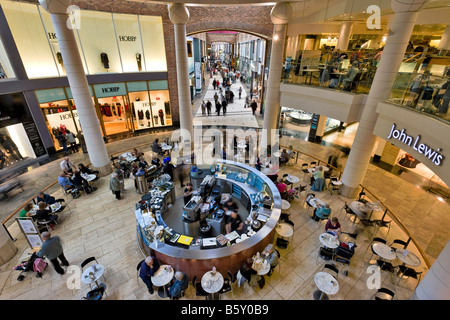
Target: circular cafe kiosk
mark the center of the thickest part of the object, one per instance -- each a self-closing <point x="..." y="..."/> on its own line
<point x="192" y="237"/>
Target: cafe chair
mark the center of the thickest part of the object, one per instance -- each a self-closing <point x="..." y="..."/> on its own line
<point x="396" y="242"/>
<point x="333" y="184"/>
<point x="96" y="294"/>
<point x="282" y="243"/>
<point x="331" y="267"/>
<point x="138" y="268"/>
<point x="226" y="286"/>
<point x="44" y="224"/>
<point x="199" y="291"/>
<point x="349" y="211"/>
<point x="382" y="224"/>
<point x="307" y="198"/>
<point x="344" y="261"/>
<point x="326" y="254"/>
<point x="405" y="272"/>
<point x="386" y="266"/>
<point x="86" y="262"/>
<point x="384" y="294"/>
<point x="232" y="276"/>
<point x="361" y="197"/>
<point x="312" y="164"/>
<point x="304" y="169"/>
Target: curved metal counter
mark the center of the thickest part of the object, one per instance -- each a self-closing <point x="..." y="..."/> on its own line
<point x="195" y="262"/>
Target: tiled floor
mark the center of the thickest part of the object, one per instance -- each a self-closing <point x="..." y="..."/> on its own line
<point x="98" y="225"/>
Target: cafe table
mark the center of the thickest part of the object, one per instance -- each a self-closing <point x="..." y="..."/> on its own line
<point x="408" y="258"/>
<point x="212" y="282"/>
<point x="292" y="179"/>
<point x="285" y="205"/>
<point x="162" y="278"/>
<point x="261" y="265"/>
<point x="327" y="285"/>
<point x="92" y="274"/>
<point x="383" y="251"/>
<point x="329" y="240"/>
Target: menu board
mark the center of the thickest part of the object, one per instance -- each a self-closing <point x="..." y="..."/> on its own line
<point x="35" y="138"/>
<point x="31" y="232"/>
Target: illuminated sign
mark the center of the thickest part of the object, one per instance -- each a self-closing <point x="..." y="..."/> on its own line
<point x="421" y="148"/>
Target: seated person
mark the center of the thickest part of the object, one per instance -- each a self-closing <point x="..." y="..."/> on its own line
<point x="282" y="187"/>
<point x="245" y="271"/>
<point x="271" y="256"/>
<point x="290" y="152"/>
<point x="142" y="163"/>
<point x="136" y="154"/>
<point x="318" y="173"/>
<point x="25" y="212"/>
<point x="188" y="193"/>
<point x="350" y="75"/>
<point x="333" y="226"/>
<point x="67" y="166"/>
<point x="284" y="157"/>
<point x="48" y="199"/>
<point x="156" y="147"/>
<point x="156" y="161"/>
<point x="234" y="223"/>
<point x="86" y="170"/>
<point x="180" y="283"/>
<point x="321" y="212"/>
<point x="44" y="214"/>
<point x="64" y="181"/>
<point x="81" y="183"/>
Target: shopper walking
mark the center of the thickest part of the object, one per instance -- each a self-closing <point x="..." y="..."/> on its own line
<point x="224" y="106"/>
<point x="240" y="92"/>
<point x="208" y="107"/>
<point x="53" y="250"/>
<point x="70" y="137"/>
<point x="114" y="185"/>
<point x="254" y="106"/>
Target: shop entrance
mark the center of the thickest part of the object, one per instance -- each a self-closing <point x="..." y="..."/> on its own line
<point x="115" y="115"/>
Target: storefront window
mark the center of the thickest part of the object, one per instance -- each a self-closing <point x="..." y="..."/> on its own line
<point x="6" y="71"/>
<point x="29" y="34"/>
<point x="19" y="137"/>
<point x="58" y="115"/>
<point x="129" y="40"/>
<point x="153" y="42"/>
<point x="113" y="107"/>
<point x="141" y="112"/>
<point x="160" y="103"/>
<point x="98" y="39"/>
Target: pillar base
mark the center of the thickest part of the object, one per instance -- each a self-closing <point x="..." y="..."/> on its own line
<point x="349" y="192"/>
<point x="104" y="170"/>
<point x="7" y="251"/>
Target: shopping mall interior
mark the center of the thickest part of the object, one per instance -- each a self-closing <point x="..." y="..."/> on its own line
<point x="302" y="113"/>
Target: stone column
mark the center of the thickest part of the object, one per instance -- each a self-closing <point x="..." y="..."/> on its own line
<point x="179" y="15"/>
<point x="344" y="35"/>
<point x="444" y="44"/>
<point x="7" y="247"/>
<point x="78" y="84"/>
<point x="402" y="25"/>
<point x="280" y="15"/>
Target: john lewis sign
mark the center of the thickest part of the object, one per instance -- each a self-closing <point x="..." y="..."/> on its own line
<point x="433" y="154"/>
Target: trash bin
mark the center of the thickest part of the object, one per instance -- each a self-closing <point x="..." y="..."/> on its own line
<point x="142" y="184"/>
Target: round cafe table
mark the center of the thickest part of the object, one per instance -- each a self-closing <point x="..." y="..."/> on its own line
<point x="384" y="251"/>
<point x="285" y="205"/>
<point x="408" y="258"/>
<point x="327" y="284"/>
<point x="329" y="241"/>
<point x="162" y="278"/>
<point x="292" y="179"/>
<point x="284" y="230"/>
<point x="97" y="271"/>
<point x="212" y="282"/>
<point x="261" y="266"/>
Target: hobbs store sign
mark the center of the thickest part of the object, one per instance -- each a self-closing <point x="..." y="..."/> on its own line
<point x="415" y="143"/>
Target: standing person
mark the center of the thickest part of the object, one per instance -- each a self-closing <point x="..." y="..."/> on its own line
<point x="53" y="250"/>
<point x="120" y="176"/>
<point x="254" y="106"/>
<point x="187" y="193"/>
<point x="62" y="141"/>
<point x="216" y="97"/>
<point x="224" y="106"/>
<point x="214" y="84"/>
<point x="218" y="106"/>
<point x="203" y="107"/>
<point x="240" y="92"/>
<point x="208" y="107"/>
<point x="231" y="96"/>
<point x="148" y="268"/>
<point x="114" y="185"/>
<point x="168" y="168"/>
<point x="82" y="142"/>
<point x="70" y="137"/>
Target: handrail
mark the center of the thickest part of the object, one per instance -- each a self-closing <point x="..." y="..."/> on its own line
<point x="401" y="225"/>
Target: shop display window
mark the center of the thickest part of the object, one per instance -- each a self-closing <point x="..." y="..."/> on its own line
<point x="130" y="43"/>
<point x="6" y="71"/>
<point x="153" y="42"/>
<point x="160" y="106"/>
<point x="31" y="40"/>
<point x="141" y="112"/>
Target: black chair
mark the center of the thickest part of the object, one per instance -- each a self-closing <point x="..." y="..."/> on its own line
<point x="382" y="224"/>
<point x="333" y="185"/>
<point x="232" y="276"/>
<point x="361" y="197"/>
<point x="386" y="266"/>
<point x="312" y="164"/>
<point x="332" y="268"/>
<point x="199" y="291"/>
<point x="349" y="211"/>
<point x="304" y="169"/>
<point x="384" y="294"/>
<point x="282" y="243"/>
<point x="96" y="294"/>
<point x="398" y="242"/>
<point x="344" y="261"/>
<point x="138" y="268"/>
<point x="307" y="198"/>
<point x="371" y="244"/>
<point x="289" y="222"/>
<point x="226" y="286"/>
<point x="407" y="272"/>
<point x="325" y="254"/>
